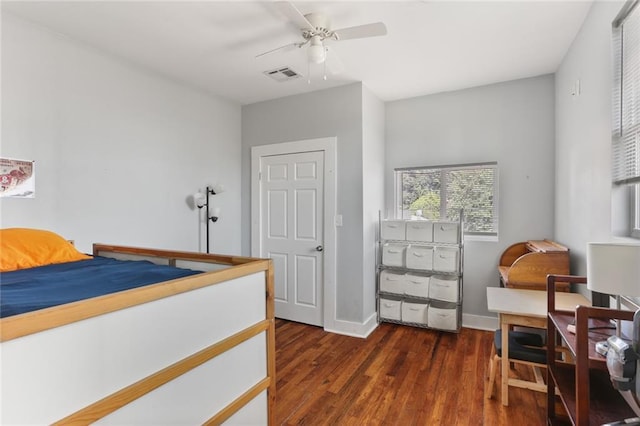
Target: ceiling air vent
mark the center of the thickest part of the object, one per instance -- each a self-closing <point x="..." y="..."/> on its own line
<point x="282" y="74"/>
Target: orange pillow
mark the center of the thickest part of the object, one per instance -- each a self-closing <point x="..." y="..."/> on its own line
<point x="22" y="248"/>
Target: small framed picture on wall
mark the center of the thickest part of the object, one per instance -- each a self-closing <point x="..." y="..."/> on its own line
<point x="17" y="178"/>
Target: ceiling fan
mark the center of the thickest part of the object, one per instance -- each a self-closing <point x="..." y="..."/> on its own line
<point x="315" y="29"/>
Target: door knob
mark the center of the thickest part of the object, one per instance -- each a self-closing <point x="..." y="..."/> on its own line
<point x="319" y="248"/>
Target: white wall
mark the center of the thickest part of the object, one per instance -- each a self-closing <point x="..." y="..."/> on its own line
<point x="117" y="149"/>
<point x="373" y="126"/>
<point x="583" y="132"/>
<point x="511" y="123"/>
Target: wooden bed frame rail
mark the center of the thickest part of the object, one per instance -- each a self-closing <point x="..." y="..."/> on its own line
<point x="172" y="255"/>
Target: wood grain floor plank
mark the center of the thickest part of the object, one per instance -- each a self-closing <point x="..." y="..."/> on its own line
<point x="399" y="375"/>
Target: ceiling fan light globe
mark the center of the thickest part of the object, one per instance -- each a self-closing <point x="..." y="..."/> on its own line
<point x="317" y="54"/>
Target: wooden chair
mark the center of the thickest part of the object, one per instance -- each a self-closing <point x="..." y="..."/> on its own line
<point x="524" y="348"/>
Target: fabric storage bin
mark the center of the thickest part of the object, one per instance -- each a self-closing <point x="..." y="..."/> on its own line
<point x="442" y="316"/>
<point x="390" y="309"/>
<point x="446" y="232"/>
<point x="445" y="259"/>
<point x="419" y="230"/>
<point x="391" y="282"/>
<point x="444" y="288"/>
<point x="414" y="312"/>
<point x="417" y="285"/>
<point x="392" y="230"/>
<point x="393" y="254"/>
<point x="419" y="257"/>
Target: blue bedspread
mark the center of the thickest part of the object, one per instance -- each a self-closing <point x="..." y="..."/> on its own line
<point x="37" y="288"/>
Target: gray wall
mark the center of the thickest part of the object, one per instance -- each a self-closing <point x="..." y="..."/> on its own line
<point x="332" y="112"/>
<point x="511" y="123"/>
<point x="118" y="150"/>
<point x="373" y="190"/>
<point x="583" y="177"/>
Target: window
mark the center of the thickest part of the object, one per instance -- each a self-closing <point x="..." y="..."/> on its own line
<point x="438" y="193"/>
<point x="626" y="106"/>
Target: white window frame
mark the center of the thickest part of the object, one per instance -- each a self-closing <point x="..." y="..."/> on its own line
<point x="477" y="236"/>
<point x="626" y="122"/>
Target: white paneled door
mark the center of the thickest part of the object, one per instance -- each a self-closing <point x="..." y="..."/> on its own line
<point x="291" y="215"/>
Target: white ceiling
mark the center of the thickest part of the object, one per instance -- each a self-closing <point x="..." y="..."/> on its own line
<point x="431" y="46"/>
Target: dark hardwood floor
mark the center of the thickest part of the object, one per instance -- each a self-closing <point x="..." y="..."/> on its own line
<point x="399" y="375"/>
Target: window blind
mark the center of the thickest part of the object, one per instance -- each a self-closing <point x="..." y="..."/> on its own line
<point x="626" y="100"/>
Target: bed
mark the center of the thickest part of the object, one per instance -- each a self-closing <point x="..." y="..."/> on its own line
<point x="193" y="349"/>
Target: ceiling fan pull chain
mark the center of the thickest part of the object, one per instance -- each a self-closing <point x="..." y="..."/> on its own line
<point x="324" y="64"/>
<point x="308" y="72"/>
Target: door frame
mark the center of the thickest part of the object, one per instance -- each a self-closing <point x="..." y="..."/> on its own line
<point x="329" y="146"/>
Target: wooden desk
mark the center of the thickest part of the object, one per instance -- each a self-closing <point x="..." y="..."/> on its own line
<point x="526" y="308"/>
<point x="526" y="264"/>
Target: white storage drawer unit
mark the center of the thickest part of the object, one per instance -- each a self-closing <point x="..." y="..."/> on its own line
<point x="392" y="230"/>
<point x="417" y="285"/>
<point x="414" y="312"/>
<point x="443" y="318"/>
<point x="446" y="232"/>
<point x="419" y="230"/>
<point x="393" y="254"/>
<point x="419" y="272"/>
<point x="392" y="282"/>
<point x="419" y="257"/>
<point x="445" y="259"/>
<point x="390" y="309"/>
<point x="444" y="288"/>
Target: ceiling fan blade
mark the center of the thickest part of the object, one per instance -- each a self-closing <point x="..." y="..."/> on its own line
<point x="360" y="31"/>
<point x="294" y="15"/>
<point x="285" y="48"/>
<point x="333" y="62"/>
